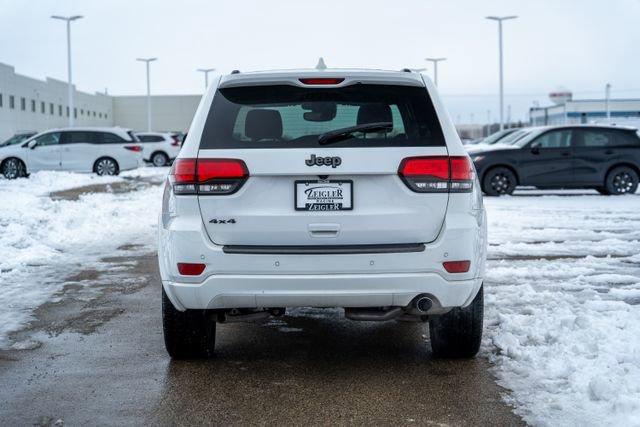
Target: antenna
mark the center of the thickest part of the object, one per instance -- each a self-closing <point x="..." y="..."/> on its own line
<point x="321" y="65"/>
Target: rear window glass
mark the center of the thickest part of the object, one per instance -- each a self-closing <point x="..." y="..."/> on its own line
<point x="295" y="117"/>
<point x="150" y="138"/>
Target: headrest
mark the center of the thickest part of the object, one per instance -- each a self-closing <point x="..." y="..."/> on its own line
<point x="374" y="113"/>
<point x="263" y="124"/>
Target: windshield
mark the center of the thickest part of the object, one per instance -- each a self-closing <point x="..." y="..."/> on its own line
<point x="294" y="117"/>
<point x="16" y="139"/>
<point x="514" y="137"/>
<point x="495" y="137"/>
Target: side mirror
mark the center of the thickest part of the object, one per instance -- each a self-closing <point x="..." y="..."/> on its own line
<point x="32" y="144"/>
<point x="535" y="148"/>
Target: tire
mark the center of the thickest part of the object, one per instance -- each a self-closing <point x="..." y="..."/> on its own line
<point x="159" y="160"/>
<point x="106" y="166"/>
<point x="458" y="333"/>
<point x="499" y="181"/>
<point x="13" y="168"/>
<point x="621" y="180"/>
<point x="188" y="334"/>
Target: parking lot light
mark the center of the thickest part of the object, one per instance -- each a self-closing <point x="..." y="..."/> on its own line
<point x="206" y="72"/>
<point x="147" y="61"/>
<point x="68" y="20"/>
<point x="500" y="19"/>
<point x="435" y="68"/>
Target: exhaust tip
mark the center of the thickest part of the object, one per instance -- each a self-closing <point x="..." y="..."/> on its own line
<point x="424" y="304"/>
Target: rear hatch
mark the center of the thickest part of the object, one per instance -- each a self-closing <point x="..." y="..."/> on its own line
<point x="280" y="165"/>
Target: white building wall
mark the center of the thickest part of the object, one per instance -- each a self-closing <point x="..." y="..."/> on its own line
<point x="29" y="96"/>
<point x="169" y="112"/>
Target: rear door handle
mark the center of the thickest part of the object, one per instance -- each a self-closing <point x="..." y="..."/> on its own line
<point x="324" y="229"/>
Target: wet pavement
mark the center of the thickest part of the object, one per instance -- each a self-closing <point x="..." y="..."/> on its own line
<point x="103" y="362"/>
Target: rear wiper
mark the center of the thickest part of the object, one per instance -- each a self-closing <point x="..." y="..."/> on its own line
<point x="346" y="133"/>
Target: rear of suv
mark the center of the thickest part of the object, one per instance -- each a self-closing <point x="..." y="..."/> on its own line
<point x="332" y="188"/>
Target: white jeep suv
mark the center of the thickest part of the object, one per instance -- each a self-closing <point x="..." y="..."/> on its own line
<point x="332" y="188"/>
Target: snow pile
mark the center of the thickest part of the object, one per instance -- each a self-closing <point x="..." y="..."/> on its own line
<point x="563" y="307"/>
<point x="42" y="240"/>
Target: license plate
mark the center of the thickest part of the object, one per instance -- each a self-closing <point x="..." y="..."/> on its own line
<point x="324" y="195"/>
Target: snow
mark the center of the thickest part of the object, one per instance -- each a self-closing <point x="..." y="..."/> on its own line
<point x="42" y="240"/>
<point x="562" y="322"/>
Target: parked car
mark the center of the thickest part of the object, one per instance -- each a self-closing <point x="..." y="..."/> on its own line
<point x="17" y="138"/>
<point x="605" y="158"/>
<point x="159" y="148"/>
<point x="105" y="151"/>
<point x="324" y="188"/>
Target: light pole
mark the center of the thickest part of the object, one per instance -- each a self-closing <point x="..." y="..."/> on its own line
<point x="206" y="72"/>
<point x="607" y="97"/>
<point x="147" y="61"/>
<point x="500" y="19"/>
<point x="435" y="68"/>
<point x="68" y="20"/>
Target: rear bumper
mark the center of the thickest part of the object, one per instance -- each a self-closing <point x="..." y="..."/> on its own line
<point x="339" y="290"/>
<point x="249" y="280"/>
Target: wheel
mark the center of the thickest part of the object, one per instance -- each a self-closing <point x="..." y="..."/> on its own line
<point x="499" y="181"/>
<point x="621" y="180"/>
<point x="160" y="159"/>
<point x="13" y="168"/>
<point x="458" y="333"/>
<point x="187" y="334"/>
<point x="106" y="166"/>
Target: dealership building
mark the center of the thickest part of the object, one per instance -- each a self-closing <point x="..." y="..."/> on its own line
<point x="566" y="110"/>
<point x="28" y="104"/>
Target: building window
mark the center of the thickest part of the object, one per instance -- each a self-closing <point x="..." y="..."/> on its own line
<point x="42" y="107"/>
<point x="33" y="105"/>
<point x="94" y="113"/>
<point x="51" y="108"/>
<point x="0" y="100"/>
<point x="23" y="104"/>
<point x="59" y="110"/>
<point x="81" y="112"/>
<point x="100" y="115"/>
<point x="12" y="102"/>
<point x="67" y="111"/>
<point x="105" y="115"/>
<point x="75" y="113"/>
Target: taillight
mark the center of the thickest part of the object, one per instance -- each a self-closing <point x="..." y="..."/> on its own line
<point x="176" y="141"/>
<point x="135" y="148"/>
<point x="437" y="174"/>
<point x="322" y="80"/>
<point x="208" y="176"/>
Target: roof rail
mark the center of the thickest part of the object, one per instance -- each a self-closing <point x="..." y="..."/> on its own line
<point x="407" y="70"/>
<point x="235" y="72"/>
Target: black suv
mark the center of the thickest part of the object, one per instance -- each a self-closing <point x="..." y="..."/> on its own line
<point x="605" y="158"/>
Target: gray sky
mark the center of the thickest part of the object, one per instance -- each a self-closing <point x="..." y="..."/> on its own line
<point x="580" y="45"/>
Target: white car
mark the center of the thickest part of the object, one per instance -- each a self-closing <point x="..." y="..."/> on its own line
<point x="159" y="148"/>
<point x="105" y="151"/>
<point x="333" y="188"/>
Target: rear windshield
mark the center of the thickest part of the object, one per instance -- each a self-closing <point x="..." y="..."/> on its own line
<point x="294" y="117"/>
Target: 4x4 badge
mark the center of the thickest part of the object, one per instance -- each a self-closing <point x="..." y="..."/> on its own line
<point x="334" y="161"/>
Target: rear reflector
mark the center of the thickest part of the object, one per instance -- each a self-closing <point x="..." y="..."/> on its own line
<point x="437" y="174"/>
<point x="188" y="269"/>
<point x="135" y="148"/>
<point x="208" y="176"/>
<point x="456" y="266"/>
<point x="322" y="81"/>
